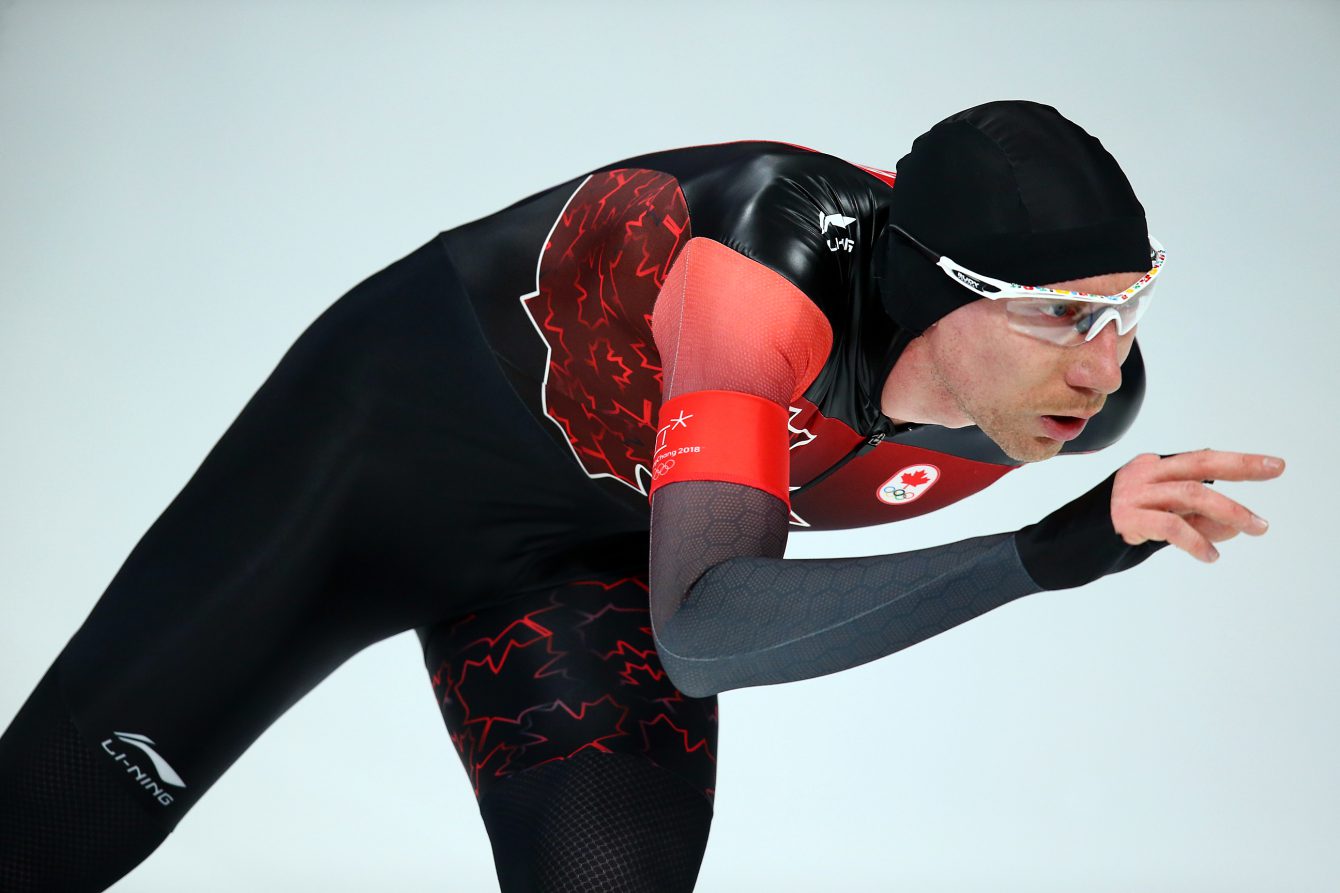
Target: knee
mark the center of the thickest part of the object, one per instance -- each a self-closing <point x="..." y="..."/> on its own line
<point x="597" y="822"/>
<point x="66" y="822"/>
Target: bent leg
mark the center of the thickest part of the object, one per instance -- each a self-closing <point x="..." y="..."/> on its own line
<point x="593" y="772"/>
<point x="230" y="608"/>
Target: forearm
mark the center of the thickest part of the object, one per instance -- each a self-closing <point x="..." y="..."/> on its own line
<point x="750" y="620"/>
<point x="761" y="621"/>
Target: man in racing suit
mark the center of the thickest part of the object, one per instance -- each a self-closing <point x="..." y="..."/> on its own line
<point x="566" y="443"/>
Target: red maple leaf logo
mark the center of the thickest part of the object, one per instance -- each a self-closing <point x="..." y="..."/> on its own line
<point x="915" y="478"/>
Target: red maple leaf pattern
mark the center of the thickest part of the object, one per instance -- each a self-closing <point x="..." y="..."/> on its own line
<point x="601" y="271"/>
<point x="915" y="478"/>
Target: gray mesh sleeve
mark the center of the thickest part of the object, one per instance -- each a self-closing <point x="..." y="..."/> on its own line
<point x="752" y="618"/>
<point x="728" y="611"/>
<point x="761" y="621"/>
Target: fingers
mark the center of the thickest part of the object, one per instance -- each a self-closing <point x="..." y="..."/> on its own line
<point x="1211" y="530"/>
<point x="1218" y="465"/>
<point x="1175" y="530"/>
<point x="1164" y="498"/>
<point x="1194" y="498"/>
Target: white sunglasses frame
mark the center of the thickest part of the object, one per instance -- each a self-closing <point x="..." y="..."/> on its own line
<point x="1003" y="290"/>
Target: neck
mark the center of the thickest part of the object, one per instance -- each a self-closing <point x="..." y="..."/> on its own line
<point x="913" y="392"/>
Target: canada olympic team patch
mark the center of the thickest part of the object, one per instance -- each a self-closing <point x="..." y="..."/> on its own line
<point x="908" y="485"/>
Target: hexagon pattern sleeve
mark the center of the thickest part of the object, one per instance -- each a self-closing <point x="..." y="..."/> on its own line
<point x="727" y="610"/>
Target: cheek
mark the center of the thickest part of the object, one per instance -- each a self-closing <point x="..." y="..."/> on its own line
<point x="993" y="368"/>
<point x="999" y="377"/>
<point x="1023" y="366"/>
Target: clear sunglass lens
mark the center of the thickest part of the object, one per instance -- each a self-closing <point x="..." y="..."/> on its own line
<point x="1070" y="322"/>
<point x="1094" y="322"/>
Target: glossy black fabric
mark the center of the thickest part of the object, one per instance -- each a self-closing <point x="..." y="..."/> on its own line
<point x="764" y="200"/>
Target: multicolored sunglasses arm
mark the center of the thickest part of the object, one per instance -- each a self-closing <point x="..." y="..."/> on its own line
<point x="997" y="289"/>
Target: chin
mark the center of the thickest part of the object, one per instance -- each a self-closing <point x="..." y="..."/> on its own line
<point x="1024" y="447"/>
<point x="1016" y="435"/>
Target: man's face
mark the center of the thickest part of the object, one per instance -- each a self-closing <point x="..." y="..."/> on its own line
<point x="1005" y="382"/>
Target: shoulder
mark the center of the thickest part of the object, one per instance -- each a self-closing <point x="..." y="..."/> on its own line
<point x="799" y="212"/>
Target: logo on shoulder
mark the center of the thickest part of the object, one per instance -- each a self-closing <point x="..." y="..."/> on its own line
<point x="166" y="775"/>
<point x="908" y="485"/>
<point x="836" y="243"/>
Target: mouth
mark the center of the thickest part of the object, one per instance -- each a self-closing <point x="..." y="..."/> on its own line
<point x="1063" y="427"/>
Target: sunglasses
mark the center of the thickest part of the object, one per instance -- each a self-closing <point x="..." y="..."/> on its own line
<point x="1056" y="315"/>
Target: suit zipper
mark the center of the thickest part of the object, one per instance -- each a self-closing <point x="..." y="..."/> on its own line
<point x="860" y="449"/>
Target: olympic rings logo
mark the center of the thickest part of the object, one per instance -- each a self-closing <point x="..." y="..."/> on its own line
<point x="662" y="468"/>
<point x="908" y="485"/>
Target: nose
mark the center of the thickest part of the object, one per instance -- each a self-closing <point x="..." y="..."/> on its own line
<point x="1097" y="363"/>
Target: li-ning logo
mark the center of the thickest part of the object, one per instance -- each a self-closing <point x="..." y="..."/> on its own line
<point x="165" y="772"/>
<point x="826" y="220"/>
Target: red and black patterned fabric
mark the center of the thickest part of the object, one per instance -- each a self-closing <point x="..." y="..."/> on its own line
<point x="562" y="671"/>
<point x="566" y="281"/>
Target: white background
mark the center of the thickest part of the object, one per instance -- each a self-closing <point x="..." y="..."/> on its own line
<point x="184" y="186"/>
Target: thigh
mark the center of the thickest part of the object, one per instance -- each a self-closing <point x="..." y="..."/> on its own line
<point x="236" y="601"/>
<point x="592" y="771"/>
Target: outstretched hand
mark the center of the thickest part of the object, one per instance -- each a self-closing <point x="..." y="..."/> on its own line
<point x="1166" y="499"/>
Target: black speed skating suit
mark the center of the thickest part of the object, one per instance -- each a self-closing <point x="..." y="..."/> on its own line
<point x="461" y="445"/>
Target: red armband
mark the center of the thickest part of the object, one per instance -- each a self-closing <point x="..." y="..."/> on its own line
<point x="723" y="436"/>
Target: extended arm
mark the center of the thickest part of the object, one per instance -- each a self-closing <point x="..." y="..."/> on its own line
<point x="759" y="619"/>
<point x="728" y="611"/>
